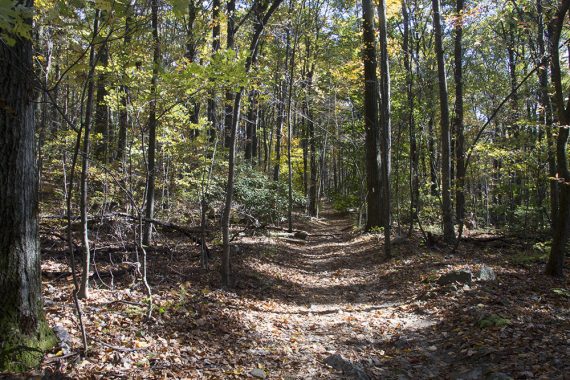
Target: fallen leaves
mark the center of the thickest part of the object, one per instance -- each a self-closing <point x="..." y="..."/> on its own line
<point x="295" y="306"/>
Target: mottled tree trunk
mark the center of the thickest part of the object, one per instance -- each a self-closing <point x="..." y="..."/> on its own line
<point x="24" y="334"/>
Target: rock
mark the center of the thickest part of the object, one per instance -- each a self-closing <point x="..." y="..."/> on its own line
<point x="400" y="239"/>
<point x="301" y="235"/>
<point x="462" y="276"/>
<point x="258" y="373"/>
<point x="347" y="367"/>
<point x="64" y="338"/>
<point x="498" y="376"/>
<point x="486" y="274"/>
<point x="472" y="374"/>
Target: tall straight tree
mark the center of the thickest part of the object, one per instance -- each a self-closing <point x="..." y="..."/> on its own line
<point x="555" y="265"/>
<point x="212" y="118"/>
<point x="374" y="209"/>
<point x="24" y="333"/>
<point x="545" y="112"/>
<point x="262" y="14"/>
<point x="414" y="152"/>
<point x="458" y="119"/>
<point x="386" y="125"/>
<point x="124" y="89"/>
<point x="448" y="231"/>
<point x="83" y="204"/>
<point x="149" y="210"/>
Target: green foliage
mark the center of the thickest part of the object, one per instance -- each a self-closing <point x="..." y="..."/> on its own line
<point x="494" y="320"/>
<point x="14" y="21"/>
<point x="344" y="202"/>
<point x="261" y="197"/>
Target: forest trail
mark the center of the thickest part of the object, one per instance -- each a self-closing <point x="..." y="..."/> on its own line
<point x="328" y="307"/>
<point x="324" y="303"/>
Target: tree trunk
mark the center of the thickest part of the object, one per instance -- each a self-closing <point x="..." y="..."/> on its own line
<point x="414" y="152"/>
<point x="101" y="123"/>
<point x="386" y="126"/>
<point x="83" y="205"/>
<point x="123" y="111"/>
<point x="212" y="117"/>
<point x="261" y="20"/>
<point x="372" y="143"/>
<point x="458" y="119"/>
<point x="231" y="8"/>
<point x="545" y="114"/>
<point x="281" y="112"/>
<point x="448" y="231"/>
<point x="24" y="333"/>
<point x="149" y="210"/>
<point x="555" y="265"/>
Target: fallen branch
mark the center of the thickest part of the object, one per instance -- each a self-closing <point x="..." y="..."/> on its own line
<point x="188" y="232"/>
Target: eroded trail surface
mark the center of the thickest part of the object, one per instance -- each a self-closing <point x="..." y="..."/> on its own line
<point x="325" y="307"/>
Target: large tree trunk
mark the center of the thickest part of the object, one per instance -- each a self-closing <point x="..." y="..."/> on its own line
<point x="458" y="119"/>
<point x="24" y="333"/>
<point x="448" y="231"/>
<point x="555" y="265"/>
<point x="149" y="210"/>
<point x="371" y="118"/>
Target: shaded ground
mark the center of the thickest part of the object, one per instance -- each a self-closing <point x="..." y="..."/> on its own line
<point x="296" y="304"/>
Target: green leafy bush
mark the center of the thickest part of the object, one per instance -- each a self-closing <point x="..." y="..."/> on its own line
<point x="261" y="197"/>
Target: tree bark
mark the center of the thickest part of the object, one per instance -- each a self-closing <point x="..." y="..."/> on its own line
<point x="458" y="119"/>
<point x="83" y="204"/>
<point x="555" y="265"/>
<point x="24" y="333"/>
<point x="386" y="126"/>
<point x="372" y="129"/>
<point x="448" y="231"/>
<point x="152" y="122"/>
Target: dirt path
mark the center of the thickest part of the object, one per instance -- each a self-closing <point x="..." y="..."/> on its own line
<point x="329" y="307"/>
<point x="326" y="298"/>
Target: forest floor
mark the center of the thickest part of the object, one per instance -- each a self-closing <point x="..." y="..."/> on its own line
<point x="327" y="307"/>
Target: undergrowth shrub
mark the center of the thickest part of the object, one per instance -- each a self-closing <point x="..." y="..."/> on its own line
<point x="261" y="197"/>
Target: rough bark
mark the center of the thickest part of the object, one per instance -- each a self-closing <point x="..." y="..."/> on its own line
<point x="371" y="117"/>
<point x="24" y="334"/>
